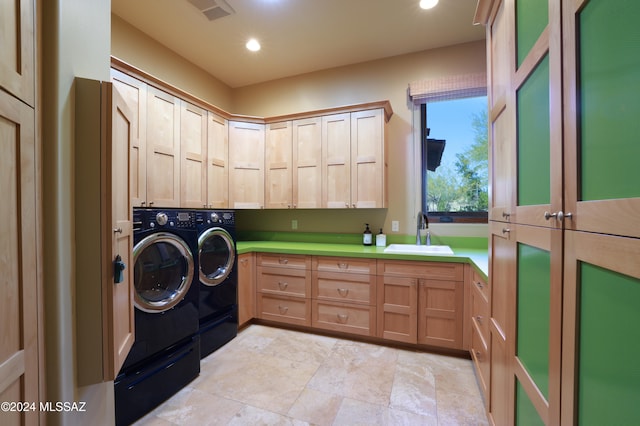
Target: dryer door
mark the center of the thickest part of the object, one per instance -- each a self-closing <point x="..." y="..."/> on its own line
<point x="216" y="256"/>
<point x="163" y="271"/>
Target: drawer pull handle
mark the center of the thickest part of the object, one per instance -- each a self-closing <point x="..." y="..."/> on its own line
<point x="342" y="318"/>
<point x="283" y="286"/>
<point x="343" y="292"/>
<point x="343" y="265"/>
<point x="283" y="260"/>
<point x="283" y="309"/>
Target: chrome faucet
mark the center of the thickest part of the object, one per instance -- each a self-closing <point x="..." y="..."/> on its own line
<point x="423" y="224"/>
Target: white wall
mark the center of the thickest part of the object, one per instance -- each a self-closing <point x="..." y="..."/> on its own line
<point x="75" y="41"/>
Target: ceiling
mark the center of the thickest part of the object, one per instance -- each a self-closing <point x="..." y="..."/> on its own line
<point x="298" y="36"/>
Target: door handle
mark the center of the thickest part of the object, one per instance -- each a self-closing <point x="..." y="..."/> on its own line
<point x="118" y="270"/>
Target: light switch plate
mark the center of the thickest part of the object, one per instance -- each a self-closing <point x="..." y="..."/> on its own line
<point x="294" y="224"/>
<point x="395" y="226"/>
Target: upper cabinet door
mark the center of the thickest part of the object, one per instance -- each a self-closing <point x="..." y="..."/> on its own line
<point x="537" y="85"/>
<point x="217" y="162"/>
<point x="17" y="57"/>
<point x="246" y="165"/>
<point x="307" y="163"/>
<point x="278" y="166"/>
<point x="502" y="114"/>
<point x="134" y="93"/>
<point x="336" y="161"/>
<point x="601" y="116"/>
<point x="163" y="149"/>
<point x="193" y="156"/>
<point x="368" y="162"/>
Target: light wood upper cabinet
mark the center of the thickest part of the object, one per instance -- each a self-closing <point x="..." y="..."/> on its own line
<point x="246" y="165"/>
<point x="17" y="56"/>
<point x="368" y="159"/>
<point x="193" y="156"/>
<point x="354" y="160"/>
<point x="217" y="161"/>
<point x="307" y="163"/>
<point x="163" y="149"/>
<point x="336" y="161"/>
<point x="134" y="93"/>
<point x="278" y="166"/>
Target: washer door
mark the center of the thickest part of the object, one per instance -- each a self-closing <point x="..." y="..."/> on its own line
<point x="216" y="256"/>
<point x="163" y="271"/>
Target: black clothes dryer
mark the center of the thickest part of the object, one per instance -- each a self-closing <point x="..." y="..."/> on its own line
<point x="218" y="277"/>
<point x="166" y="352"/>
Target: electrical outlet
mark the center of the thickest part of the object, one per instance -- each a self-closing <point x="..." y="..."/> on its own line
<point x="294" y="224"/>
<point x="395" y="226"/>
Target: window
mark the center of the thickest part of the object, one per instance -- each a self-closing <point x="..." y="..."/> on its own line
<point x="454" y="166"/>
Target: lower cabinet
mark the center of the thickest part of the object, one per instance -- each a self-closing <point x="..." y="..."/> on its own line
<point x="246" y="287"/>
<point x="421" y="302"/>
<point x="406" y="301"/>
<point x="344" y="295"/>
<point x="284" y="288"/>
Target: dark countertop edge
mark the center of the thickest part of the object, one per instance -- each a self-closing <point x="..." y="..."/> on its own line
<point x="477" y="258"/>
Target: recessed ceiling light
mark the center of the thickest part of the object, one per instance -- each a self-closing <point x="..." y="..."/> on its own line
<point x="428" y="4"/>
<point x="253" y="45"/>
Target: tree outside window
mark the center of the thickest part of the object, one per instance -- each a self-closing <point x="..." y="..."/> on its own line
<point x="457" y="190"/>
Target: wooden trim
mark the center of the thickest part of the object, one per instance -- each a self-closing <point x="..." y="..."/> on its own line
<point x="483" y="12"/>
<point x="537" y="399"/>
<point x="135" y="72"/>
<point x="535" y="55"/>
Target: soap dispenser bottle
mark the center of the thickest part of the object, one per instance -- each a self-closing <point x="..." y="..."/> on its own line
<point x="367" y="236"/>
<point x="381" y="239"/>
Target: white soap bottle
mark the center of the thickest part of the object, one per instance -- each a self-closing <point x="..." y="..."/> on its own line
<point x="381" y="239"/>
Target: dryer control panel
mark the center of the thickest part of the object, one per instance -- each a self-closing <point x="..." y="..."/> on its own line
<point x="164" y="218"/>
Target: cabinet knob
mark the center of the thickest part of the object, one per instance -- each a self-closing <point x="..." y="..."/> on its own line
<point x="479" y="319"/>
<point x="343" y="292"/>
<point x="479" y="284"/>
<point x="151" y="203"/>
<point x="343" y="265"/>
<point x="506" y="230"/>
<point x="548" y="215"/>
<point x="143" y="203"/>
<point x="283" y="309"/>
<point x="506" y="215"/>
<point x="283" y="260"/>
<point x="282" y="285"/>
<point x="117" y="230"/>
<point x="342" y="318"/>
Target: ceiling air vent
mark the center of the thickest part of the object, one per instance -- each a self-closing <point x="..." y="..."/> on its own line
<point x="213" y="9"/>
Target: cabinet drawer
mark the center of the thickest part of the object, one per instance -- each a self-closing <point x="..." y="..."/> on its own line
<point x="344" y="264"/>
<point x="479" y="311"/>
<point x="480" y="283"/>
<point x="290" y="310"/>
<point x="354" y="319"/>
<point x="340" y="287"/>
<point x="429" y="270"/>
<point x="481" y="359"/>
<point x="293" y="261"/>
<point x="283" y="281"/>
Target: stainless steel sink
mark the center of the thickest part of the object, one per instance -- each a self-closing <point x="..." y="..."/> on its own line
<point x="416" y="249"/>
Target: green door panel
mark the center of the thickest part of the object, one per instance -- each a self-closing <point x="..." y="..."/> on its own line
<point x="609" y="347"/>
<point x="532" y="17"/>
<point x="533" y="290"/>
<point x="526" y="414"/>
<point x="609" y="94"/>
<point x="534" y="166"/>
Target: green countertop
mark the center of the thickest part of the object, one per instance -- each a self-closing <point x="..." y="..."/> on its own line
<point x="476" y="256"/>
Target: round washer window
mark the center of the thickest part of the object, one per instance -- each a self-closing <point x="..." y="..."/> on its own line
<point x="216" y="256"/>
<point x="162" y="273"/>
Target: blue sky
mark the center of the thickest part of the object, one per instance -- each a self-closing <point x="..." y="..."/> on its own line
<point x="451" y="120"/>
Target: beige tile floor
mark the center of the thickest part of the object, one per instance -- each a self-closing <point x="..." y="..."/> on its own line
<point x="272" y="376"/>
